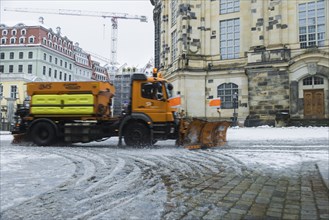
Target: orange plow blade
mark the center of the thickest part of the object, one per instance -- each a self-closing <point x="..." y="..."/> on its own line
<point x="203" y="134"/>
<point x="19" y="138"/>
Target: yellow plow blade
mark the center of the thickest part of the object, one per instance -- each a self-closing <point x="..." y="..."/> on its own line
<point x="202" y="134"/>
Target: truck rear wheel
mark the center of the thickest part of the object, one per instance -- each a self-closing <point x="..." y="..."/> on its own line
<point x="137" y="134"/>
<point x="43" y="133"/>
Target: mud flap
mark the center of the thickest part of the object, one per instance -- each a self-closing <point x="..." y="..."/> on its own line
<point x="203" y="134"/>
<point x="19" y="138"/>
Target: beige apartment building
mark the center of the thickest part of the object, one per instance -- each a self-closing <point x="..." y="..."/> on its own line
<point x="265" y="59"/>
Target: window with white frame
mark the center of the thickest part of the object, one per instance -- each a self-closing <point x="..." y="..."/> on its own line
<point x="13" y="91"/>
<point x="23" y="31"/>
<point x="173" y="12"/>
<point x="4" y="32"/>
<point x="22" y="40"/>
<point x="31" y="39"/>
<point x="20" y="68"/>
<point x="29" y="68"/>
<point x="226" y="91"/>
<point x="1" y="90"/>
<point x="3" y="40"/>
<point x="313" y="80"/>
<point x="230" y="38"/>
<point x="173" y="45"/>
<point x="13" y="32"/>
<point x="312" y="27"/>
<point x="229" y="6"/>
<point x="13" y="40"/>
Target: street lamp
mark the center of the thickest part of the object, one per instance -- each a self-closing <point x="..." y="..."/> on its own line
<point x="235" y="115"/>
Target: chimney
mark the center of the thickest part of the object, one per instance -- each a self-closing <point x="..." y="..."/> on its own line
<point x="41" y="19"/>
<point x="58" y="29"/>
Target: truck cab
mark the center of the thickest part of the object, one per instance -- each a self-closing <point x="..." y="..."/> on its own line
<point x="150" y="116"/>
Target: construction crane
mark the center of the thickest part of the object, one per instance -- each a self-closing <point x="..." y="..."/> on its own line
<point x="114" y="20"/>
<point x="99" y="57"/>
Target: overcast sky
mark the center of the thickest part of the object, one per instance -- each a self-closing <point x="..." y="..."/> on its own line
<point x="135" y="38"/>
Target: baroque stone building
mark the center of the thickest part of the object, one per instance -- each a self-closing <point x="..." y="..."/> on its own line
<point x="35" y="52"/>
<point x="265" y="59"/>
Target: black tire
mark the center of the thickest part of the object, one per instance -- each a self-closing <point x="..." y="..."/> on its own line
<point x="137" y="134"/>
<point x="43" y="133"/>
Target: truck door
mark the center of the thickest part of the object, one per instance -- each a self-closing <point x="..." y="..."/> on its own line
<point x="152" y="101"/>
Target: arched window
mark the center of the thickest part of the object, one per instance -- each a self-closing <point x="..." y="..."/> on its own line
<point x="13" y="32"/>
<point x="31" y="39"/>
<point x="4" y="32"/>
<point x="22" y="40"/>
<point x="313" y="80"/>
<point x="23" y="31"/>
<point x="3" y="40"/>
<point x="226" y="92"/>
<point x="13" y="40"/>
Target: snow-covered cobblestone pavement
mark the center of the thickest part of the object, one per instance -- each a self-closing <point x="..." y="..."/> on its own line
<point x="272" y="173"/>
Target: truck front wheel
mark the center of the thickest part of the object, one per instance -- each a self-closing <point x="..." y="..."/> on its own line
<point x="137" y="134"/>
<point x="43" y="133"/>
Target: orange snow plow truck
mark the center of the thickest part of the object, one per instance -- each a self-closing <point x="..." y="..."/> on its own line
<point x="71" y="112"/>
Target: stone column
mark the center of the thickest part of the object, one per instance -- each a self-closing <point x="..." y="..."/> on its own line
<point x="293" y="97"/>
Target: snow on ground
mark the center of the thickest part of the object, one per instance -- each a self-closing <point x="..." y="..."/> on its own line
<point x="266" y="133"/>
<point x="262" y="148"/>
<point x="29" y="173"/>
<point x="280" y="149"/>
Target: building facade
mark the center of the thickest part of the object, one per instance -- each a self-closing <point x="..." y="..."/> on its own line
<point x="82" y="64"/>
<point x="35" y="52"/>
<point x="263" y="58"/>
<point x="99" y="72"/>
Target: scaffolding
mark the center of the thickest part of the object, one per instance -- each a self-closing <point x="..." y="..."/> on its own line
<point x="122" y="84"/>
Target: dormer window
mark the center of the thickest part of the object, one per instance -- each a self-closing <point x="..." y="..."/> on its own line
<point x="23" y="32"/>
<point x="3" y="40"/>
<point x="54" y="38"/>
<point x="22" y="40"/>
<point x="31" y="39"/>
<point x="13" y="40"/>
<point x="49" y="36"/>
<point x="13" y="32"/>
<point x="4" y="32"/>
